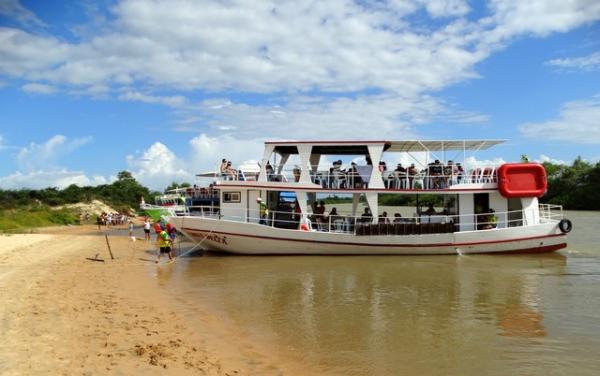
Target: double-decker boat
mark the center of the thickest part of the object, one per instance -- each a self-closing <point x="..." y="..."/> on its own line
<point x="434" y="207"/>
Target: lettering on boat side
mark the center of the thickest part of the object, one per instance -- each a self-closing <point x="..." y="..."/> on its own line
<point x="215" y="238"/>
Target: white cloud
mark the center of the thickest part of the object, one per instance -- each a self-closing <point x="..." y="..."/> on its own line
<point x="14" y="9"/>
<point x="171" y="101"/>
<point x="579" y="122"/>
<point x="39" y="179"/>
<point x="157" y="167"/>
<point x="44" y="156"/>
<point x="587" y="63"/>
<point x="541" y="17"/>
<point x="38" y="88"/>
<point x="544" y="158"/>
<point x="472" y="162"/>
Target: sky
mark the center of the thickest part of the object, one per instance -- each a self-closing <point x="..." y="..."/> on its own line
<point x="165" y="89"/>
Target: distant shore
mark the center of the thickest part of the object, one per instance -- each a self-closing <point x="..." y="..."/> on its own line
<point x="64" y="314"/>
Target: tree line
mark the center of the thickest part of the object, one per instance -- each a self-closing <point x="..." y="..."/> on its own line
<point x="122" y="194"/>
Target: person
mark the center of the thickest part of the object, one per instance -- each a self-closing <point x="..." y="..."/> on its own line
<point x="297" y="212"/>
<point x="296" y="171"/>
<point x="448" y="173"/>
<point x="223" y="168"/>
<point x="99" y="222"/>
<point x="333" y="217"/>
<point x="130" y="222"/>
<point x="491" y="221"/>
<point x="412" y="172"/>
<point x="383" y="218"/>
<point x="165" y="243"/>
<point x="263" y="211"/>
<point x="231" y="172"/>
<point x="354" y="178"/>
<point x="270" y="171"/>
<point x="147" y="226"/>
<point x="172" y="231"/>
<point x="460" y="172"/>
<point x="430" y="210"/>
<point x="366" y="217"/>
<point x="320" y="214"/>
<point x="397" y="218"/>
<point x="436" y="171"/>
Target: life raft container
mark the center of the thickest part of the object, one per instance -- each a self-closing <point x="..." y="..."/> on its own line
<point x="522" y="180"/>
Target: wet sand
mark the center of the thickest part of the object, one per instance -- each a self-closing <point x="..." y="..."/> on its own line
<point x="63" y="314"/>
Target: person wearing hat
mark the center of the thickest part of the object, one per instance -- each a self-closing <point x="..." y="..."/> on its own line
<point x="263" y="211"/>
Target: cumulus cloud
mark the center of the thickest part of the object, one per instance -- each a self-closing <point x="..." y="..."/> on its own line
<point x="44" y="156"/>
<point x="578" y="121"/>
<point x="586" y="63"/>
<point x="157" y="166"/>
<point x="36" y="88"/>
<point x="292" y="46"/>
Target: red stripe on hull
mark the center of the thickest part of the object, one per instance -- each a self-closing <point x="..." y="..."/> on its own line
<point x="378" y="245"/>
<point x="542" y="249"/>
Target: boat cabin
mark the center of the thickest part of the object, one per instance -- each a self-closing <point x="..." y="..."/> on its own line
<point x="381" y="187"/>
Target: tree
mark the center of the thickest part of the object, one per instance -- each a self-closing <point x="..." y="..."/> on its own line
<point x="124" y="175"/>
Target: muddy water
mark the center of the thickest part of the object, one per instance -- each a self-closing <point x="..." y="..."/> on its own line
<point x="360" y="315"/>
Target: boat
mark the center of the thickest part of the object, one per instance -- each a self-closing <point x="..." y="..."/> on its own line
<point x="435" y="207"/>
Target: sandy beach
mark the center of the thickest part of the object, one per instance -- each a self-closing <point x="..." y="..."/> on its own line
<point x="63" y="314"/>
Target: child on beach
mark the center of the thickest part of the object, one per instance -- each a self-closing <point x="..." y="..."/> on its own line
<point x="130" y="228"/>
<point x="147" y="229"/>
<point x="165" y="243"/>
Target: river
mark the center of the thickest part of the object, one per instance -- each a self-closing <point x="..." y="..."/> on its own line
<point x="390" y="315"/>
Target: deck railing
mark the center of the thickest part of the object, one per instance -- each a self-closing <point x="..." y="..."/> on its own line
<point x="365" y="225"/>
<point x="360" y="176"/>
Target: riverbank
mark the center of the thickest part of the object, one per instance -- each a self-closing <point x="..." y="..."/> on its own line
<point x="63" y="314"/>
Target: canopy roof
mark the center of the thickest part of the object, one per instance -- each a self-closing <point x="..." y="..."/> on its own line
<point x="360" y="147"/>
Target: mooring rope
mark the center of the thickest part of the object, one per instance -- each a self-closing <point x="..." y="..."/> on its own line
<point x="203" y="239"/>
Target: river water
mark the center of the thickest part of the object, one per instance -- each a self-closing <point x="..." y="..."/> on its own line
<point x="390" y="315"/>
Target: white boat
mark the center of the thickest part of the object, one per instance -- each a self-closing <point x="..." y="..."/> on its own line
<point x="472" y="209"/>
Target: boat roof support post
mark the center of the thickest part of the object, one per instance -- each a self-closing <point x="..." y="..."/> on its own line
<point x="304" y="150"/>
<point x="373" y="205"/>
<point x="375" y="152"/>
<point x="282" y="162"/>
<point x="301" y="197"/>
<point x="262" y="177"/>
<point x="355" y="201"/>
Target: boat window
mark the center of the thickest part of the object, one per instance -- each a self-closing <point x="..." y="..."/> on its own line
<point x="232" y="197"/>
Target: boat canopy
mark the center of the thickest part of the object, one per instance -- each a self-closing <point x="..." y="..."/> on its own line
<point x="361" y="147"/>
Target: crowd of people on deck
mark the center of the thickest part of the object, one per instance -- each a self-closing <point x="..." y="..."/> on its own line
<point x="436" y="175"/>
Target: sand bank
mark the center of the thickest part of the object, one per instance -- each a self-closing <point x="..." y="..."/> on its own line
<point x="63" y="314"/>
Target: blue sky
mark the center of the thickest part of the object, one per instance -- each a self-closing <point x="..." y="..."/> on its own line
<point x="166" y="88"/>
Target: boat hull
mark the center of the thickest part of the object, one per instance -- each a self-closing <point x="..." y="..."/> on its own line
<point x="254" y="239"/>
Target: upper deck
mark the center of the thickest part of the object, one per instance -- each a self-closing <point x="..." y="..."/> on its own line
<point x="411" y="165"/>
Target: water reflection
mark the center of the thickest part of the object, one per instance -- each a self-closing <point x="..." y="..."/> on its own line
<point x="377" y="315"/>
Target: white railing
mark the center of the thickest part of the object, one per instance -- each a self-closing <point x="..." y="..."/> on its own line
<point x="360" y="176"/>
<point x="550" y="212"/>
<point x="435" y="223"/>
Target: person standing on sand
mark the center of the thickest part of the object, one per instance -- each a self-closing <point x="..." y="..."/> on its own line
<point x="147" y="226"/>
<point x="130" y="228"/>
<point x="164" y="242"/>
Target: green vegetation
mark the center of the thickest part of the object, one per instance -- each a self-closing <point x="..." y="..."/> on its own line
<point x="122" y="194"/>
<point x="28" y="208"/>
<point x="576" y="187"/>
<point x="38" y="216"/>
